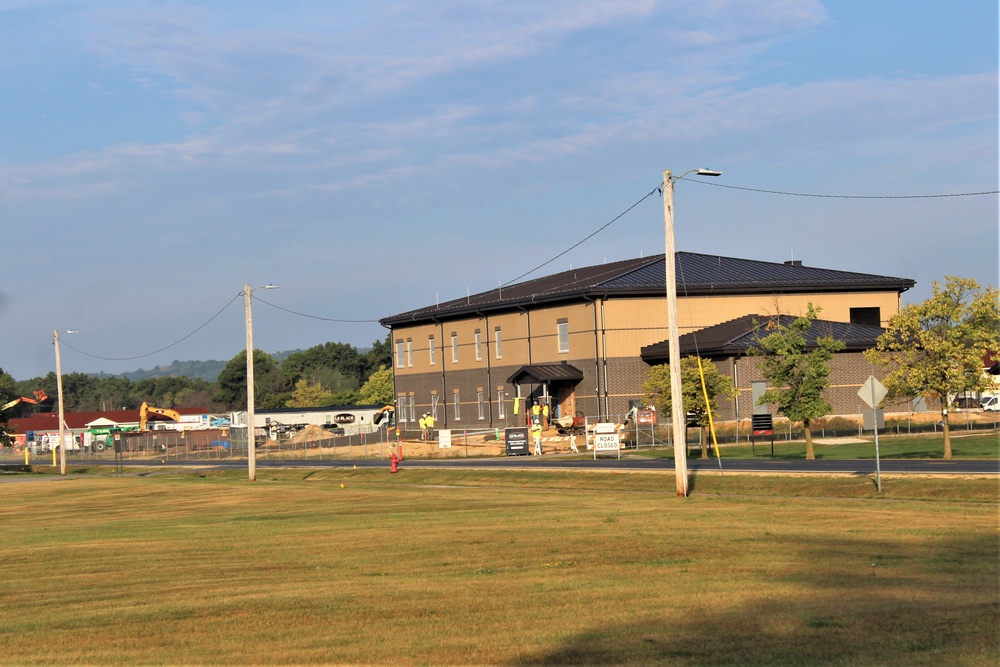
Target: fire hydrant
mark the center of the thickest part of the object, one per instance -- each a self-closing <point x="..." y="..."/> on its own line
<point x="393" y="463"/>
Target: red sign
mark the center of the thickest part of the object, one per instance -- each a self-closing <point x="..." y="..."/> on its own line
<point x="646" y="416"/>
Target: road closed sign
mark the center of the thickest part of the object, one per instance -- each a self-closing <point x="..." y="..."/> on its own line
<point x="606" y="439"/>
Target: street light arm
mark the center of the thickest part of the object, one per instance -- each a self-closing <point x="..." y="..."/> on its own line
<point x="698" y="172"/>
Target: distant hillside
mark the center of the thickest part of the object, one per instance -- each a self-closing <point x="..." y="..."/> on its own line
<point x="196" y="370"/>
<point x="203" y="370"/>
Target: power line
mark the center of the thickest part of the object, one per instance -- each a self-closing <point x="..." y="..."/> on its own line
<point x="585" y="239"/>
<point x="809" y="194"/>
<point x="149" y="354"/>
<point x="315" y="317"/>
<point x="657" y="189"/>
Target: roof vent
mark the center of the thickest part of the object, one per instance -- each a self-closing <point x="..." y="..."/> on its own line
<point x="793" y="262"/>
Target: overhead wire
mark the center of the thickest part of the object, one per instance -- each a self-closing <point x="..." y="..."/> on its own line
<point x="315" y="317"/>
<point x="655" y="190"/>
<point x="824" y="196"/>
<point x="149" y="354"/>
<point x="585" y="239"/>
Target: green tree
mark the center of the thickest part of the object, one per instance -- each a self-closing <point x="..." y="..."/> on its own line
<point x="378" y="389"/>
<point x="309" y="395"/>
<point x="7" y="394"/>
<point x="656" y="391"/>
<point x="936" y="348"/>
<point x="798" y="370"/>
<point x="231" y="386"/>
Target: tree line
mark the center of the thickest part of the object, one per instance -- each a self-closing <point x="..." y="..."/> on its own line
<point x="327" y="374"/>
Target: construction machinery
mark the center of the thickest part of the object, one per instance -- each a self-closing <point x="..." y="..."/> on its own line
<point x="40" y="397"/>
<point x="146" y="411"/>
<point x="571" y="425"/>
<point x="387" y="412"/>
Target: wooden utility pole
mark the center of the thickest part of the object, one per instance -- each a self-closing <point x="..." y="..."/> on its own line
<point x="62" y="414"/>
<point x="251" y="439"/>
<point x="673" y="340"/>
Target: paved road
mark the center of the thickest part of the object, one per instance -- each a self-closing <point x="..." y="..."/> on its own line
<point x="758" y="465"/>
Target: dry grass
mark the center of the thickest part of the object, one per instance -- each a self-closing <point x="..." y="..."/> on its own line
<point x="490" y="568"/>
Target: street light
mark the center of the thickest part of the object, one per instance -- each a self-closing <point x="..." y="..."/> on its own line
<point x="251" y="443"/>
<point x="678" y="417"/>
<point x="59" y="391"/>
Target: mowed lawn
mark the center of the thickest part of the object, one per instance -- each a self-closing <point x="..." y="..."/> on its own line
<point x="463" y="567"/>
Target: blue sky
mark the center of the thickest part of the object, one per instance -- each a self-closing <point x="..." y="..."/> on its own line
<point x="374" y="157"/>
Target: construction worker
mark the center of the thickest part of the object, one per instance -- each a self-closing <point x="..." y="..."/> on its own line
<point x="545" y="416"/>
<point x="536" y="413"/>
<point x="423" y="426"/>
<point x="536" y="433"/>
<point x="430" y="426"/>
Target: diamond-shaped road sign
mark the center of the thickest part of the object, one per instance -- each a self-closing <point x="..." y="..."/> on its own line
<point x="872" y="392"/>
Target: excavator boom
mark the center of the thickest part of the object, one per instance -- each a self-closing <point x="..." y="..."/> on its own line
<point x="145" y="410"/>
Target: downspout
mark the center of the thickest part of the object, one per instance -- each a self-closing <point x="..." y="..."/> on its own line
<point x="444" y="384"/>
<point x="597" y="357"/>
<point x="489" y="369"/>
<point x="527" y="314"/>
<point x="604" y="344"/>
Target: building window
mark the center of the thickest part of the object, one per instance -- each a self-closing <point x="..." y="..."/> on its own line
<point x="409" y="352"/>
<point x="413" y="408"/>
<point x="499" y="339"/>
<point x="870" y="316"/>
<point x="563" y="327"/>
<point x="500" y="397"/>
<point x="401" y="417"/>
<point x="479" y="345"/>
<point x="434" y="406"/>
<point x="454" y="348"/>
<point x="399" y="353"/>
<point x="458" y="406"/>
<point x="479" y="401"/>
<point x="433" y="353"/>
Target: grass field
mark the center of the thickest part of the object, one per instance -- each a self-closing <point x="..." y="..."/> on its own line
<point x="480" y="567"/>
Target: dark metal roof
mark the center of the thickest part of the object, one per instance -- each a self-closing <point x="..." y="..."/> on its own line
<point x="736" y="336"/>
<point x="542" y="373"/>
<point x="697" y="275"/>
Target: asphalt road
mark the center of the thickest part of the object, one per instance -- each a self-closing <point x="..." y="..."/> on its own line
<point x="758" y="465"/>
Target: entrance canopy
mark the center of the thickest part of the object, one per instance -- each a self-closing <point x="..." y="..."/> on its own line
<point x="546" y="373"/>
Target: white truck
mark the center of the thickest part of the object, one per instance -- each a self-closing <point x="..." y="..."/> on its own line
<point x="46" y="442"/>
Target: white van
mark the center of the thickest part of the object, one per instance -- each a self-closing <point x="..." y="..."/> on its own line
<point x="991" y="403"/>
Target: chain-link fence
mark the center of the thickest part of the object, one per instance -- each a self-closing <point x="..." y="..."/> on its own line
<point x="224" y="444"/>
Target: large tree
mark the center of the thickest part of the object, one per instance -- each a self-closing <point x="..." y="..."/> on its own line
<point x="656" y="391"/>
<point x="796" y="364"/>
<point x="231" y="386"/>
<point x="378" y="389"/>
<point x="936" y="348"/>
<point x="309" y="395"/>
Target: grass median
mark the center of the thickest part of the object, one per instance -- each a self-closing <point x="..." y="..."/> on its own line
<point x="504" y="567"/>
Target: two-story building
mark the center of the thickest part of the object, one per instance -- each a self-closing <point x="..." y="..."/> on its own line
<point x="575" y="339"/>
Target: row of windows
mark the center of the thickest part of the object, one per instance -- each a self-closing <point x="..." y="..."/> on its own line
<point x="404" y="349"/>
<point x="406" y="407"/>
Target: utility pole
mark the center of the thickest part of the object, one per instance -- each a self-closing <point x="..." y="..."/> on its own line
<point x="678" y="415"/>
<point x="673" y="340"/>
<point x="59" y="391"/>
<point x="251" y="439"/>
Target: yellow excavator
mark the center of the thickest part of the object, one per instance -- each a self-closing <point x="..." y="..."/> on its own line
<point x="145" y="410"/>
